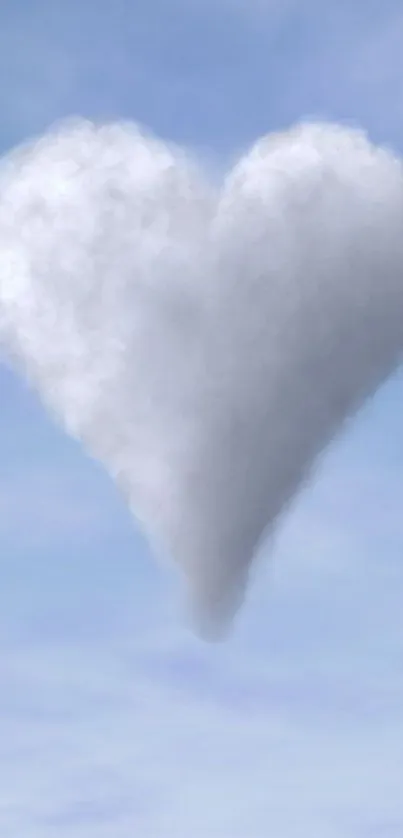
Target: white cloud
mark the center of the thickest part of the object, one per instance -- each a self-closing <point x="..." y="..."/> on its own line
<point x="204" y="345"/>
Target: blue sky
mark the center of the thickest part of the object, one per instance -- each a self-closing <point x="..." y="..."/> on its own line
<point x="114" y="720"/>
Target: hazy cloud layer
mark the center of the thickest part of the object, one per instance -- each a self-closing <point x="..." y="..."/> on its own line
<point x="96" y="744"/>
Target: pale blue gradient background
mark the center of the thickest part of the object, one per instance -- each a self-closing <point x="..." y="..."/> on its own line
<point x="114" y="721"/>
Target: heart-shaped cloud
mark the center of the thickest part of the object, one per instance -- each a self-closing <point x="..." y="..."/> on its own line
<point x="204" y="343"/>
